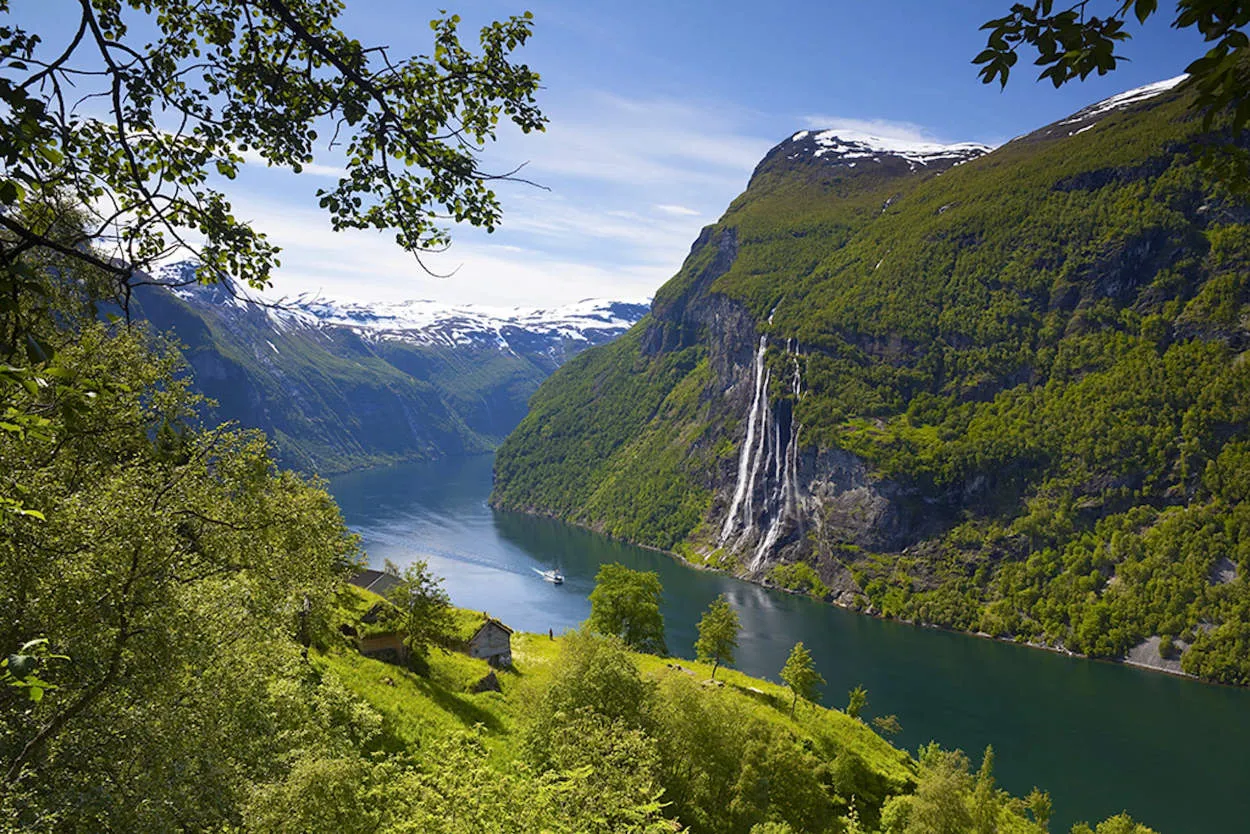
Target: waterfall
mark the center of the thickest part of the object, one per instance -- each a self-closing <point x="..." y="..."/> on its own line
<point x="783" y="501"/>
<point x="765" y="413"/>
<point x="768" y="465"/>
<point x="748" y="445"/>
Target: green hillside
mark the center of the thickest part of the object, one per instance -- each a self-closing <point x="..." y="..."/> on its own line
<point x="1022" y="399"/>
<point x="586" y="736"/>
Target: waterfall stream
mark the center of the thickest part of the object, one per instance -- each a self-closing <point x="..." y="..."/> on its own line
<point x="783" y="501"/>
<point x="767" y="465"/>
<point x="744" y="459"/>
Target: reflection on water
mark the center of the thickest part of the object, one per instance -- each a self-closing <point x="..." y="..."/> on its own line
<point x="1100" y="737"/>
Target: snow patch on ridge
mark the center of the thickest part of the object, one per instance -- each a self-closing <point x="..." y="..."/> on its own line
<point x="434" y="323"/>
<point x="1128" y="97"/>
<point x="848" y="145"/>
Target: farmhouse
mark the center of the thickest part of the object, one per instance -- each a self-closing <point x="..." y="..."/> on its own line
<point x="377" y="628"/>
<point x="492" y="642"/>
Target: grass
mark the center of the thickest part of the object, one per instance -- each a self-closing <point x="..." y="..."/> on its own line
<point x="831" y="730"/>
<point x="847" y="758"/>
<point x="416" y="710"/>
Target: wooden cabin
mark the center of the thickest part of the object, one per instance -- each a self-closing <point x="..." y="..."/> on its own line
<point x="387" y="647"/>
<point x="492" y="642"/>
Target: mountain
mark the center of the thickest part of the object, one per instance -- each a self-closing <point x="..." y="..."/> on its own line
<point x="1000" y="391"/>
<point x="341" y="385"/>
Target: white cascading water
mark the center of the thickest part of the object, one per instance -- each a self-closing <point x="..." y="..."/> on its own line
<point x="748" y="445"/>
<point x="784" y="500"/>
<point x="765" y="417"/>
<point x="768" y="463"/>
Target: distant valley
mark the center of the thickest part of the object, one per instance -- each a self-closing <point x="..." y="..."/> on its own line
<point x="340" y="385"/>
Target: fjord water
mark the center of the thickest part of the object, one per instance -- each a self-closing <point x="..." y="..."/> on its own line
<point x="1100" y="737"/>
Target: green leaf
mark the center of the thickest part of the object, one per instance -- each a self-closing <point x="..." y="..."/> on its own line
<point x="1144" y="9"/>
<point x="51" y="154"/>
<point x="10" y="192"/>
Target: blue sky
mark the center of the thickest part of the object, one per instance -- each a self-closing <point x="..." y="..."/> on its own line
<point x="658" y="113"/>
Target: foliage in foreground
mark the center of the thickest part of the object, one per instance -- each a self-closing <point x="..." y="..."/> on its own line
<point x="172" y="606"/>
<point x="188" y="88"/>
<point x="168" y="565"/>
<point x="1075" y="41"/>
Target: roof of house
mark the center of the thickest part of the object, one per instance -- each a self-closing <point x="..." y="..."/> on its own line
<point x="376" y="581"/>
<point x="490" y="621"/>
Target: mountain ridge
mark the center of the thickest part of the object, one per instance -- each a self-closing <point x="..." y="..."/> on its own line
<point x="339" y="386"/>
<point x="421" y="321"/>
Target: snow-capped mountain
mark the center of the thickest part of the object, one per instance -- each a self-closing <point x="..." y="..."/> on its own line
<point x="1089" y="117"/>
<point x="423" y="322"/>
<point x="434" y="323"/>
<point x="849" y="155"/>
<point x="338" y="384"/>
<point x="1122" y="100"/>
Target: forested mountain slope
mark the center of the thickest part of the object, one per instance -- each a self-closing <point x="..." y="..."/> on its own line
<point x="1002" y="392"/>
<point x="339" y="386"/>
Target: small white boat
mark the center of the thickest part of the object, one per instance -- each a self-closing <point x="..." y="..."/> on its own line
<point x="553" y="576"/>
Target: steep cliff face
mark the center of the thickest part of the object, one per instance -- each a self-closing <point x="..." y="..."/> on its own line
<point x="978" y="389"/>
<point x="775" y="495"/>
<point x="339" y="386"/>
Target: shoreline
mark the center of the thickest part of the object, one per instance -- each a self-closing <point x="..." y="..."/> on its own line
<point x="763" y="583"/>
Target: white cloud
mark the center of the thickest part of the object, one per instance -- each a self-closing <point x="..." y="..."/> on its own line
<point x="323" y="170"/>
<point x="567" y="224"/>
<point x="657" y="143"/>
<point x="253" y="157"/>
<point x="901" y="131"/>
<point x="679" y="211"/>
<point x="631" y="184"/>
<point x="369" y="266"/>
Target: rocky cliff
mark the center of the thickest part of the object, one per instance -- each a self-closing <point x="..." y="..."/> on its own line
<point x="987" y="390"/>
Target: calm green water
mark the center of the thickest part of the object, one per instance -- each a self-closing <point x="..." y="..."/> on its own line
<point x="1100" y="737"/>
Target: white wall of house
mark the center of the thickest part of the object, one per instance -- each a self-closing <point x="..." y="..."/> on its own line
<point x="493" y="644"/>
